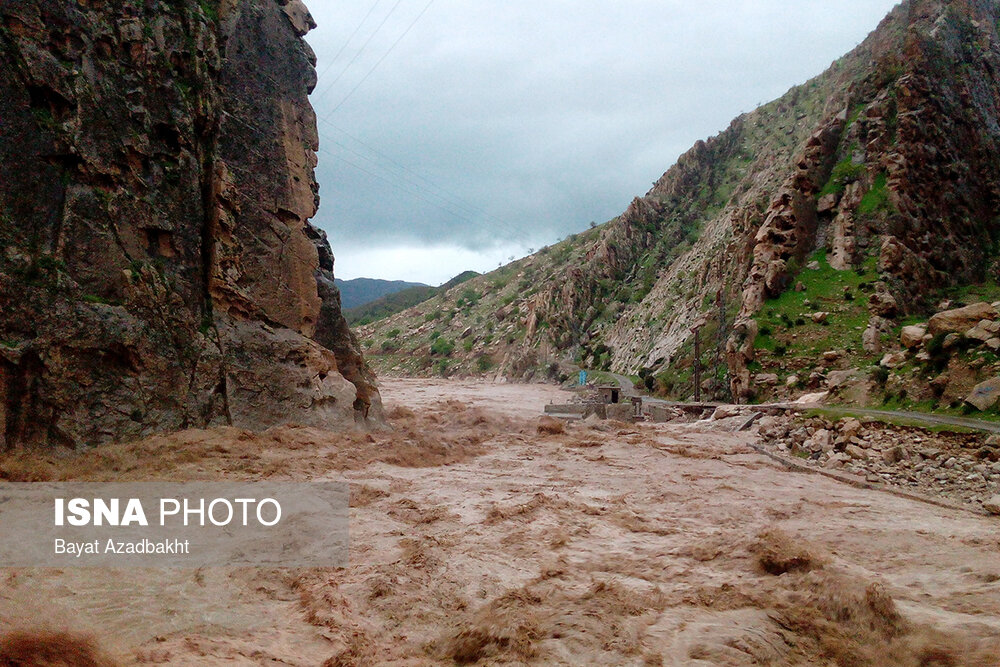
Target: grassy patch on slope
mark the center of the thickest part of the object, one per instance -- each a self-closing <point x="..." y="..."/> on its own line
<point x="786" y="328"/>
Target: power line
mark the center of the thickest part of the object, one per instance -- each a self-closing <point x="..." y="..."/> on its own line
<point x="384" y="56"/>
<point x="349" y="39"/>
<point x="394" y="184"/>
<point x="465" y="209"/>
<point x="360" y="51"/>
<point x="439" y="191"/>
<point x="435" y="190"/>
<point x="416" y="194"/>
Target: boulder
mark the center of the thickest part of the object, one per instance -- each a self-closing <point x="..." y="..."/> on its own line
<point x="849" y="427"/>
<point x="856" y="453"/>
<point x="831" y="356"/>
<point x="882" y="302"/>
<point x="993" y="344"/>
<point x="827" y="203"/>
<point x="878" y="329"/>
<point x="820" y="317"/>
<point x="820" y="441"/>
<point x="992" y="505"/>
<point x="792" y="381"/>
<point x="912" y="336"/>
<point x="985" y="394"/>
<point x="980" y="333"/>
<point x="836" y="379"/>
<point x="960" y="320"/>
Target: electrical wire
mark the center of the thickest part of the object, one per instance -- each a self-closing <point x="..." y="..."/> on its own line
<point x="349" y="40"/>
<point x="360" y="51"/>
<point x="380" y="60"/>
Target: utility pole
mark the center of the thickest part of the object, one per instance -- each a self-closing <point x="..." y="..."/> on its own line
<point x="697" y="364"/>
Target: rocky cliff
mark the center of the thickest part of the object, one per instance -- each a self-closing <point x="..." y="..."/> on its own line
<point x="156" y="181"/>
<point x="863" y="194"/>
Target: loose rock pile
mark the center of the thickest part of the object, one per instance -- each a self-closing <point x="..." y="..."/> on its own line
<point x="958" y="467"/>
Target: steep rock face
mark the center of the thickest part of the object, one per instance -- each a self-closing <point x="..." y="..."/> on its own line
<point x="156" y="182"/>
<point x="920" y="183"/>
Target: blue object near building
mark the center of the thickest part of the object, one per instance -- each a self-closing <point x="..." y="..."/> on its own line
<point x="583" y="378"/>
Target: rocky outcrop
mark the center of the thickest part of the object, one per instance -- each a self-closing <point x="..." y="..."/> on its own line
<point x="914" y="171"/>
<point x="960" y="320"/>
<point x="156" y="182"/>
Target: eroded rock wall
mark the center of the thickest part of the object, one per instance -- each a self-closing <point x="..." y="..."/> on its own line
<point x="158" y="267"/>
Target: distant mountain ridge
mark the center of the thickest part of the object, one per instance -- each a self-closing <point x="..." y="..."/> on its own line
<point x="398" y="301"/>
<point x="359" y="291"/>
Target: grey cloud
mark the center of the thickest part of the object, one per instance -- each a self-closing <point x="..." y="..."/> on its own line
<point x="548" y="114"/>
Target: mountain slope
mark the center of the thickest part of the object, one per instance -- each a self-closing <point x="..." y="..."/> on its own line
<point x="882" y="168"/>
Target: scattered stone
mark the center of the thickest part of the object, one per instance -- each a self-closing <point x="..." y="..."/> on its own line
<point x="993" y="344"/>
<point x="894" y="455"/>
<point x="820" y="317"/>
<point x="913" y="336"/>
<point x="893" y="360"/>
<point x="837" y="461"/>
<point x="993" y="441"/>
<point x="960" y="320"/>
<point x="767" y="379"/>
<point x="725" y="412"/>
<point x="800" y="287"/>
<point x="985" y="394"/>
<point x="940" y="383"/>
<point x="992" y="505"/>
<point x="467" y="332"/>
<point x="831" y="355"/>
<point x="799" y="435"/>
<point x="813" y="266"/>
<point x="792" y="381"/>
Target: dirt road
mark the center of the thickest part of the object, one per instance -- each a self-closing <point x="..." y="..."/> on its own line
<point x="608" y="544"/>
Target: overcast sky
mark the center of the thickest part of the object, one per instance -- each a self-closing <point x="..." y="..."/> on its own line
<point x="458" y="133"/>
